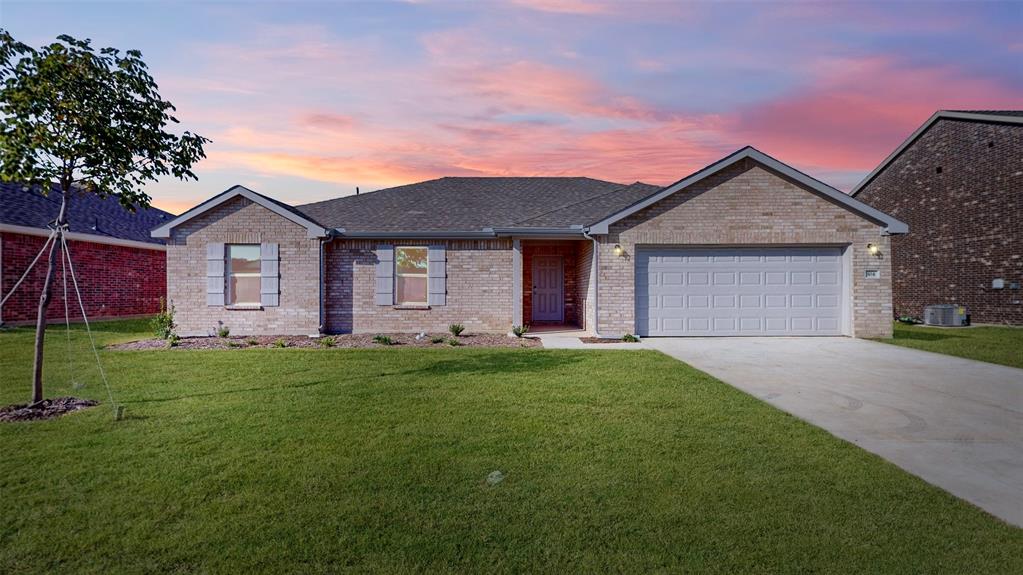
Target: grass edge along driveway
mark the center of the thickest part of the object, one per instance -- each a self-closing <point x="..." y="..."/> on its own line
<point x="307" y="461"/>
<point x="994" y="344"/>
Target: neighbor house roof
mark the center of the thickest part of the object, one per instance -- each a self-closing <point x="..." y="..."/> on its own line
<point x="25" y="209"/>
<point x="891" y="224"/>
<point x="987" y="116"/>
<point x="471" y="204"/>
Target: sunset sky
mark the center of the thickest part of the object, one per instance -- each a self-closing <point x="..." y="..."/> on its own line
<point x="305" y="101"/>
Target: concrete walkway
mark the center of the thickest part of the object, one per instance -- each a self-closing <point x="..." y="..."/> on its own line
<point x="956" y="423"/>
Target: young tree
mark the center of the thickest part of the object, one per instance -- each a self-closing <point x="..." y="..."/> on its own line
<point x="91" y="123"/>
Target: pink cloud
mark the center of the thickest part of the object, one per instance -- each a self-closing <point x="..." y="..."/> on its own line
<point x="858" y="110"/>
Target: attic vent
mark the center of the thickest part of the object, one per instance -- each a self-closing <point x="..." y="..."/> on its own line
<point x="938" y="169"/>
<point x="991" y="144"/>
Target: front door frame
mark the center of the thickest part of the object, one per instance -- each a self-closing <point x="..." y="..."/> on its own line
<point x="561" y="288"/>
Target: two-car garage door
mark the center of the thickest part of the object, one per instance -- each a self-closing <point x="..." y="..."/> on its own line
<point x="739" y="291"/>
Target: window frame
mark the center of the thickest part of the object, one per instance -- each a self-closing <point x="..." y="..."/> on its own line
<point x="425" y="275"/>
<point x="228" y="274"/>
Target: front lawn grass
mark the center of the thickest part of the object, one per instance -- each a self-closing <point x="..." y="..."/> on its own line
<point x="1002" y="345"/>
<point x="306" y="461"/>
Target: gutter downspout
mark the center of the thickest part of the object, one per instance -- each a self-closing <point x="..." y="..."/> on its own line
<point x="596" y="282"/>
<point x="321" y="286"/>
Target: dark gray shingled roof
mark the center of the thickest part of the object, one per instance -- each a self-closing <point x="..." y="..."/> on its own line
<point x="87" y="214"/>
<point x="472" y="204"/>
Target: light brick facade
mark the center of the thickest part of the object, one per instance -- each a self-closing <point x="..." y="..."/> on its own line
<point x="243" y="222"/>
<point x="743" y="205"/>
<point x="479" y="284"/>
<point x="746" y="205"/>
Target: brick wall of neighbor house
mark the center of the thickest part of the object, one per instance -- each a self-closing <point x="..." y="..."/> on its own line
<point x="568" y="250"/>
<point x="479" y="285"/>
<point x="746" y="205"/>
<point x="965" y="223"/>
<point x="242" y="221"/>
<point x="115" y="281"/>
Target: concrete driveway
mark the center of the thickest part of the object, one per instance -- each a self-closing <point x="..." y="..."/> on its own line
<point x="956" y="423"/>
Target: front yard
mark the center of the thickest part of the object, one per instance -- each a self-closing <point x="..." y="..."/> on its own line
<point x="322" y="460"/>
<point x="1002" y="345"/>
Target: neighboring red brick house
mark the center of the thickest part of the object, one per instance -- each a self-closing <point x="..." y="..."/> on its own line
<point x="746" y="246"/>
<point x="121" y="270"/>
<point x="958" y="182"/>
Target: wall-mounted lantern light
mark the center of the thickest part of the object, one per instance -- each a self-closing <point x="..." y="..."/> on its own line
<point x="873" y="250"/>
<point x="618" y="250"/>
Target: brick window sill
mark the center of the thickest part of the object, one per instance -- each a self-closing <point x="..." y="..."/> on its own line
<point x="243" y="307"/>
<point x="413" y="307"/>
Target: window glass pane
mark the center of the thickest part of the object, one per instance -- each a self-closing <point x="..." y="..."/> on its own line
<point x="411" y="289"/>
<point x="244" y="258"/>
<point x="243" y="289"/>
<point x="410" y="260"/>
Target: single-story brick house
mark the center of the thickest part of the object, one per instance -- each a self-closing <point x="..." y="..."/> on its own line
<point x="958" y="182"/>
<point x="120" y="268"/>
<point x="745" y="246"/>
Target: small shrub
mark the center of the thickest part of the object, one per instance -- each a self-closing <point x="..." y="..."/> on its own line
<point x="280" y="342"/>
<point x="327" y="341"/>
<point x="629" y="338"/>
<point x="383" y="340"/>
<point x="173" y="340"/>
<point x="223" y="331"/>
<point x="520" y="330"/>
<point x="232" y="343"/>
<point x="438" y="339"/>
<point x="454" y="342"/>
<point x="163" y="324"/>
<point x="456" y="329"/>
<point x="252" y="341"/>
<point x="909" y="320"/>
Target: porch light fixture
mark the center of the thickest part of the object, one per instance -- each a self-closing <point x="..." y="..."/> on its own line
<point x="874" y="250"/>
<point x="618" y="250"/>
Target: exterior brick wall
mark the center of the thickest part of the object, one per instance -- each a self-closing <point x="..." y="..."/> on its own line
<point x="479" y="285"/>
<point x="585" y="284"/>
<point x="568" y="250"/>
<point x="965" y="223"/>
<point x="115" y="281"/>
<point x="746" y="205"/>
<point x="240" y="220"/>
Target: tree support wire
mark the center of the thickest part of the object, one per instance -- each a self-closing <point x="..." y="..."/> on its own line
<point x="29" y="268"/>
<point x="85" y="318"/>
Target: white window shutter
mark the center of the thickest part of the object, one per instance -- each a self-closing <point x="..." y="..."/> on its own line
<point x="269" y="275"/>
<point x="437" y="276"/>
<point x="215" y="274"/>
<point x="384" y="294"/>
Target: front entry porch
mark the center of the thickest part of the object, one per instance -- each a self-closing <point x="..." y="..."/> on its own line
<point x="555" y="283"/>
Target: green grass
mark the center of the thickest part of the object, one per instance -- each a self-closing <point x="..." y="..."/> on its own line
<point x="1002" y="345"/>
<point x="325" y="460"/>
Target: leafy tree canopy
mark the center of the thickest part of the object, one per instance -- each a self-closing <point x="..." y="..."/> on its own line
<point x="75" y="116"/>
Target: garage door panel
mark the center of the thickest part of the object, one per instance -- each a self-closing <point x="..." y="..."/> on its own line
<point x="739" y="291"/>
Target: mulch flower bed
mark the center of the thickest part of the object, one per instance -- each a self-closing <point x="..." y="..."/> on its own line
<point x="340" y="341"/>
<point x="603" y="340"/>
<point x="45" y="409"/>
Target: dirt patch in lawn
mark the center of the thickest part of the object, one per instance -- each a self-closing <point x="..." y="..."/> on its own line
<point x="603" y="340"/>
<point x="339" y="341"/>
<point x="45" y="409"/>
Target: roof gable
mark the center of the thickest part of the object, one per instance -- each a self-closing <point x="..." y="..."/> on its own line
<point x="990" y="116"/>
<point x="313" y="229"/>
<point x="891" y="224"/>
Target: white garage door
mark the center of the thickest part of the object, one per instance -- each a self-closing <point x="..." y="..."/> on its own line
<point x="739" y="291"/>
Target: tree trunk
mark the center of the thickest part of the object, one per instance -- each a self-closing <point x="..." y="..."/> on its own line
<point x="44" y="298"/>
